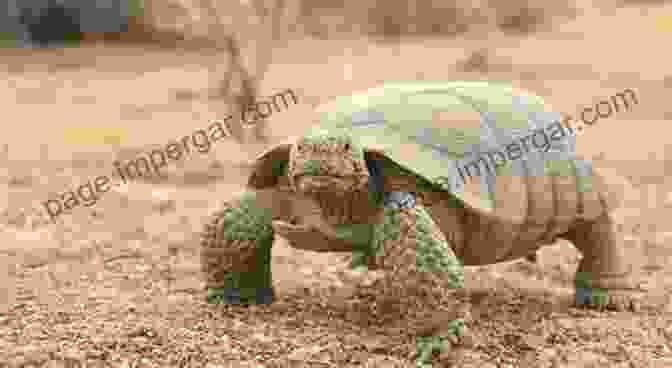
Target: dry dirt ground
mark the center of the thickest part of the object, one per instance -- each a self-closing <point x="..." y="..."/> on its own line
<point x="119" y="282"/>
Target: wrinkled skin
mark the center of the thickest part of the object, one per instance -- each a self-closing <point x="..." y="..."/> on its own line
<point x="323" y="202"/>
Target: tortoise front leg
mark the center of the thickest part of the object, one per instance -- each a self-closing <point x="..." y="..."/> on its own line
<point x="236" y="250"/>
<point x="421" y="269"/>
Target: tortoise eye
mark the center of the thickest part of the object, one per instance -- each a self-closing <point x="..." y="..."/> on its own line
<point x="347" y="146"/>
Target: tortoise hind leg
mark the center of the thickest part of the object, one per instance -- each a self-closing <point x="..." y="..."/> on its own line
<point x="605" y="277"/>
<point x="236" y="252"/>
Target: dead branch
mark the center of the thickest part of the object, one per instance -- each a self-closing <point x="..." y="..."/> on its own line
<point x="241" y="97"/>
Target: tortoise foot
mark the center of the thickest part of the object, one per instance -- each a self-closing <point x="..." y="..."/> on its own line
<point x="443" y="342"/>
<point x="607" y="299"/>
<point x="236" y="253"/>
<point x="238" y="296"/>
<point x="620" y="293"/>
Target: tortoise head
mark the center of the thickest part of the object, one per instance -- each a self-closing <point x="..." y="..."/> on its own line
<point x="327" y="163"/>
<point x="331" y="170"/>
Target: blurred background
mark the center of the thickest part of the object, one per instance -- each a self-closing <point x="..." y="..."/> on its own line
<point x="84" y="83"/>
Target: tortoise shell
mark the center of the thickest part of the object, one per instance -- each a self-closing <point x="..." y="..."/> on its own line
<point x="437" y="131"/>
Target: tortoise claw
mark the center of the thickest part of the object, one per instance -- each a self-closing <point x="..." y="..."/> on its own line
<point x="450" y="337"/>
<point x="603" y="299"/>
<point x="233" y="296"/>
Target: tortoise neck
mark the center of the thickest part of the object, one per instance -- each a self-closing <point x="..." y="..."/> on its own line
<point x="376" y="179"/>
<point x="450" y="216"/>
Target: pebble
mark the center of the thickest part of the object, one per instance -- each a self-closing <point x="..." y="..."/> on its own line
<point x="662" y="238"/>
<point x="668" y="199"/>
<point x="586" y="359"/>
<point x="566" y="323"/>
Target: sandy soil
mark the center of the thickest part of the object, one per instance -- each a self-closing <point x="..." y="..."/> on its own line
<point x="119" y="281"/>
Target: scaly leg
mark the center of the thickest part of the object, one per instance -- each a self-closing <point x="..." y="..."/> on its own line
<point x="420" y="268"/>
<point x="236" y="252"/>
<point x="605" y="277"/>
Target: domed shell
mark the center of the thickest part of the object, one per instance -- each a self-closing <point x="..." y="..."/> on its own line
<point x="439" y="130"/>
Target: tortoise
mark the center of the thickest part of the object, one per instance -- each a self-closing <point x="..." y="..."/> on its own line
<point x="381" y="175"/>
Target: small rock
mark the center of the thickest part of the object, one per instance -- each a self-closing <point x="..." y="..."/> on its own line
<point x="165" y="206"/>
<point x="533" y="341"/>
<point x="384" y="361"/>
<point x="586" y="359"/>
<point x="611" y="345"/>
<point x="668" y="306"/>
<point x="662" y="239"/>
<point x="663" y="362"/>
<point x="303" y="354"/>
<point x="566" y="323"/>
<point x="547" y="354"/>
<point x="375" y="344"/>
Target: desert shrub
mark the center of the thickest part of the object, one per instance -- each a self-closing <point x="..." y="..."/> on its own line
<point x="524" y="16"/>
<point x="389" y="19"/>
<point x="427" y="17"/>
